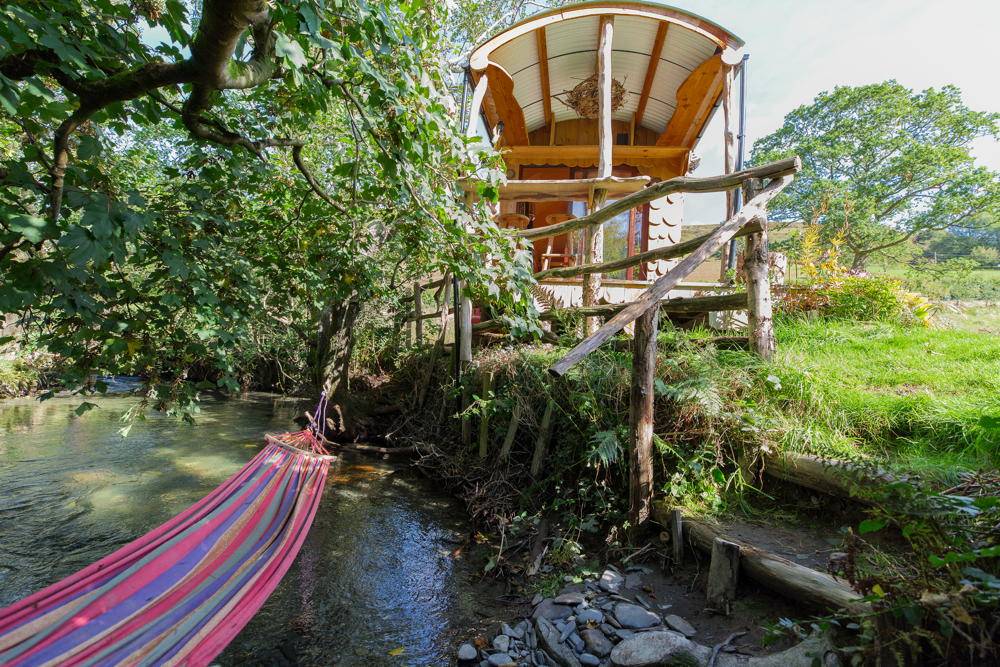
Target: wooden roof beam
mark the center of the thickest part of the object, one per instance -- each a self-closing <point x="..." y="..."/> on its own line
<point x="696" y="98"/>
<point x="654" y="62"/>
<point x="501" y="105"/>
<point x="543" y="72"/>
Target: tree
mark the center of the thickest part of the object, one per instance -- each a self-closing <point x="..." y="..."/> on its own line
<point x="883" y="164"/>
<point x="187" y="186"/>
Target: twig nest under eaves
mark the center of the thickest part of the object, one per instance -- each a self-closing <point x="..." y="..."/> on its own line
<point x="584" y="98"/>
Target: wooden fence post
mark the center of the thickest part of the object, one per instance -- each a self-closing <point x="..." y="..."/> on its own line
<point x="542" y="442"/>
<point x="641" y="416"/>
<point x="723" y="575"/>
<point x="418" y="311"/>
<point x="484" y="419"/>
<point x="760" y="327"/>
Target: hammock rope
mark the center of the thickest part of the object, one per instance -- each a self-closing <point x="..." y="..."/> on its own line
<point x="180" y="593"/>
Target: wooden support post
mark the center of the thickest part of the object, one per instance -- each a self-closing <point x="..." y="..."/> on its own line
<point x="760" y="326"/>
<point x="728" y="141"/>
<point x="418" y="312"/>
<point x="542" y="442"/>
<point x="484" y="420"/>
<point x="641" y="416"/>
<point x="508" y="440"/>
<point x="723" y="575"/>
<point x="677" y="536"/>
<point x="593" y="240"/>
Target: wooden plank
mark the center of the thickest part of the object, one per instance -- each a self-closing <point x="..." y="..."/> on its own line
<point x="641" y="417"/>
<point x="677" y="536"/>
<point x="586" y="155"/>
<point x="647" y="84"/>
<point x="484" y="420"/>
<point x="679" y="305"/>
<point x="579" y="189"/>
<point x="418" y="324"/>
<point x="541" y="43"/>
<point x="695" y="99"/>
<point x="665" y="252"/>
<point x="501" y="91"/>
<point x="657" y="190"/>
<point x="542" y="442"/>
<point x="723" y="575"/>
<point x="670" y="279"/>
<point x="508" y="439"/>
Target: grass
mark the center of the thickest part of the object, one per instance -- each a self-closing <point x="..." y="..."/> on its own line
<point x="924" y="398"/>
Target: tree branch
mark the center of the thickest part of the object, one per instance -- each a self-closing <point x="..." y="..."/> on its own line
<point x="311" y="180"/>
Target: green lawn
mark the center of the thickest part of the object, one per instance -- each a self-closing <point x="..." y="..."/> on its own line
<point x="922" y="398"/>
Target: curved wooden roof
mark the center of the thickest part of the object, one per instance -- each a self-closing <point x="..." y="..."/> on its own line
<point x="671" y="62"/>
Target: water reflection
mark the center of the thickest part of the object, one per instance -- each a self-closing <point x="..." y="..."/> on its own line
<point x="374" y="575"/>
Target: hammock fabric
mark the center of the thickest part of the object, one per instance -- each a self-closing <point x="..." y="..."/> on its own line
<point x="179" y="594"/>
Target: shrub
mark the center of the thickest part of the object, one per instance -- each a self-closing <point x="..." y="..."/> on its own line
<point x="865" y="299"/>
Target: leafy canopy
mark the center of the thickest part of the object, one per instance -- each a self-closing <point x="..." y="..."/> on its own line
<point x="882" y="164"/>
<point x="188" y="188"/>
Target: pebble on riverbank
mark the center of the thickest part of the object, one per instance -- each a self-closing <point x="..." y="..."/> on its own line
<point x="596" y="624"/>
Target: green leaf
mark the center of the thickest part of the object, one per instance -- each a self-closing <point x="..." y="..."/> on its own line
<point x="84" y="408"/>
<point x="89" y="147"/>
<point x="31" y="227"/>
<point x="871" y="526"/>
<point x="290" y="50"/>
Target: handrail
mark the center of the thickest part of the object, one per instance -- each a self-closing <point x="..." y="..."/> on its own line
<point x="666" y="252"/>
<point x="721" y="183"/>
<point x="755" y="209"/>
<point x="700" y="304"/>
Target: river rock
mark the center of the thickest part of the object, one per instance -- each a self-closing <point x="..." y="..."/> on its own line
<point x="589" y="660"/>
<point x="677" y="623"/>
<point x="572" y="599"/>
<point x="634" y="617"/>
<point x="611" y="581"/>
<point x="596" y="642"/>
<point x="501" y="660"/>
<point x="577" y="643"/>
<point x="467" y="653"/>
<point x="511" y="632"/>
<point x="548" y="638"/>
<point x="659" y="649"/>
<point x="548" y="609"/>
<point x="501" y="643"/>
<point x="589" y="617"/>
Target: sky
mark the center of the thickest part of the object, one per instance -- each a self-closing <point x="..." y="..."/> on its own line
<point x="801" y="48"/>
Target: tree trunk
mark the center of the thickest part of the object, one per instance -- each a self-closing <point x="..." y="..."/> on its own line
<point x="334" y="346"/>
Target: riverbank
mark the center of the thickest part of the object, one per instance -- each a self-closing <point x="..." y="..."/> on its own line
<point x="884" y="395"/>
<point x="18" y="378"/>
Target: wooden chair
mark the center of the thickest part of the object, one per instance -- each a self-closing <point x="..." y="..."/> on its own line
<point x="554" y="259"/>
<point x="513" y="221"/>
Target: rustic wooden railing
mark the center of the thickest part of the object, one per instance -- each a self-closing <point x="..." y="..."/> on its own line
<point x="760" y="185"/>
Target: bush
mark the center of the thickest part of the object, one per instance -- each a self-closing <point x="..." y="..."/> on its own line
<point x="17" y="378"/>
<point x="860" y="298"/>
<point x="866" y="299"/>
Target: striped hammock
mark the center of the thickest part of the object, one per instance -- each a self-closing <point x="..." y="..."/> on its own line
<point x="179" y="594"/>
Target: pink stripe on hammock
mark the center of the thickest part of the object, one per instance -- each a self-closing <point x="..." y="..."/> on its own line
<point x="98" y="614"/>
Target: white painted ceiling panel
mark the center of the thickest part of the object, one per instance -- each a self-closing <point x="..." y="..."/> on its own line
<point x="572" y="51"/>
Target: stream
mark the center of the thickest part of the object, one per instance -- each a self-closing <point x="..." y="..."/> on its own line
<point x="376" y="582"/>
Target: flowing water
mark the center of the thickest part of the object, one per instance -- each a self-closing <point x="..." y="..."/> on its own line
<point x="376" y="583"/>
